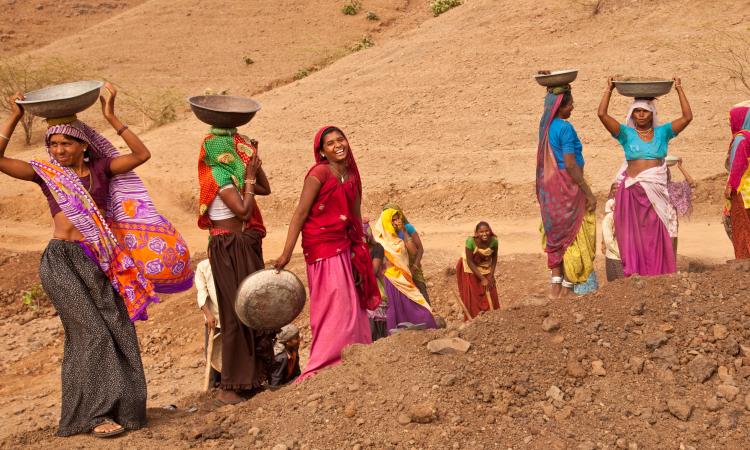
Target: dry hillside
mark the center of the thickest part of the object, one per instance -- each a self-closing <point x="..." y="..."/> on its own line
<point x="442" y="116"/>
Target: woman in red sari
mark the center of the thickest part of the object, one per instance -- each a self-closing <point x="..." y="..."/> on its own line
<point x="339" y="272"/>
<point x="737" y="191"/>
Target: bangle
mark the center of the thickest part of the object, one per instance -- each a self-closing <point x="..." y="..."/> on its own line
<point x="250" y="181"/>
<point x="122" y="129"/>
<point x="4" y="137"/>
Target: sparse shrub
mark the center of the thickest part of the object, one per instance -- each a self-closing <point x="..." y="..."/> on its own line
<point x="31" y="297"/>
<point x="440" y="6"/>
<point x="24" y="75"/>
<point x="211" y="91"/>
<point x="156" y="108"/>
<point x="365" y="42"/>
<point x="248" y="60"/>
<point x="351" y="8"/>
<point x="301" y="73"/>
<point x="594" y="6"/>
<point x="372" y="16"/>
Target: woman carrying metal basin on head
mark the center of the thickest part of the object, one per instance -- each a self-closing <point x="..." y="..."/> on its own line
<point x="93" y="270"/>
<point x="645" y="220"/>
<point x="565" y="199"/>
<point x="230" y="176"/>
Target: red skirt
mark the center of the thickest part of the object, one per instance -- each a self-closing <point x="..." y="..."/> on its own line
<point x="473" y="294"/>
<point x="740" y="218"/>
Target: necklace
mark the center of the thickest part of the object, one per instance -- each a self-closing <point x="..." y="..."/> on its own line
<point x="338" y="174"/>
<point x="644" y="133"/>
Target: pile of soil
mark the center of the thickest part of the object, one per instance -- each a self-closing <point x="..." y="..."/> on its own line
<point x="642" y="363"/>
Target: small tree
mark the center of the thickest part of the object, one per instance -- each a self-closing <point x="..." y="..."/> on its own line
<point x="24" y="75"/>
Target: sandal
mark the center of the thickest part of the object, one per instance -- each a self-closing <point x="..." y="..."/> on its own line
<point x="106" y="434"/>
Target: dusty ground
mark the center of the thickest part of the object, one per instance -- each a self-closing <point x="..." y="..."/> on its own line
<point x="441" y="113"/>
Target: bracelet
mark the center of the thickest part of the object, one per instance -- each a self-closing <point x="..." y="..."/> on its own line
<point x="122" y="129"/>
<point x="250" y="181"/>
<point x="4" y="137"/>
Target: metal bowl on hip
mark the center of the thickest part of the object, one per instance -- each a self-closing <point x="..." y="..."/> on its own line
<point x="224" y="111"/>
<point x="557" y="78"/>
<point x="643" y="89"/>
<point x="61" y="100"/>
<point x="267" y="300"/>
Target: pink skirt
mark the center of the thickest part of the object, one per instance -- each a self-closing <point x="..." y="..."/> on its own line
<point x="337" y="318"/>
<point x="645" y="245"/>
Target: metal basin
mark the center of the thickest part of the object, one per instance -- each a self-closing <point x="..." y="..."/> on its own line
<point x="643" y="88"/>
<point x="223" y="111"/>
<point x="267" y="300"/>
<point x="556" y="78"/>
<point x="61" y="100"/>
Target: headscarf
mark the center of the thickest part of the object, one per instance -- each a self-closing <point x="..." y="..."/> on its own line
<point x="222" y="161"/>
<point x="561" y="200"/>
<point x="642" y="103"/>
<point x="137" y="248"/>
<point x="397" y="208"/>
<point x="739" y="123"/>
<point x="332" y="212"/>
<point x="398" y="273"/>
<point x="483" y="223"/>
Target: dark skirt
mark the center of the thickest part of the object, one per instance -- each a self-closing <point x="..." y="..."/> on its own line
<point x="246" y="354"/>
<point x="102" y="372"/>
<point x="613" y="268"/>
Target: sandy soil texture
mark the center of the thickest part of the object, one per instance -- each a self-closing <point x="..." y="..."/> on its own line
<point x="442" y="115"/>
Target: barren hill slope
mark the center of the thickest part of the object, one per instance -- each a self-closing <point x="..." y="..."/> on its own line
<point x="447" y="108"/>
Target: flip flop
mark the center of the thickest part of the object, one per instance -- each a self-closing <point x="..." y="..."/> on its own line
<point x="106" y="434"/>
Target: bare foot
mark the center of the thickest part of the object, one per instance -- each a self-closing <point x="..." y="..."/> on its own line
<point x="554" y="291"/>
<point x="229" y="397"/>
<point x="565" y="292"/>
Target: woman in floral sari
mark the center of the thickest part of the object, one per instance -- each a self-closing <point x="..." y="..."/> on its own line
<point x="339" y="270"/>
<point x="737" y="191"/>
<point x="109" y="253"/>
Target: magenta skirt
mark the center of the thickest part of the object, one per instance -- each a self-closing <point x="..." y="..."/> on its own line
<point x="645" y="245"/>
<point x="337" y="318"/>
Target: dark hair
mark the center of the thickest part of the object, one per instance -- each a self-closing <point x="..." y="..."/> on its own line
<point x="567" y="98"/>
<point x="325" y="133"/>
<point x="483" y="223"/>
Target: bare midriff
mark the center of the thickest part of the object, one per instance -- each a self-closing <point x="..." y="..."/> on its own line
<point x="64" y="229"/>
<point x="637" y="166"/>
<point x="234" y="224"/>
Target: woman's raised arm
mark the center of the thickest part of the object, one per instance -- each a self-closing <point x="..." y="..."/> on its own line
<point x="10" y="166"/>
<point x="609" y="122"/>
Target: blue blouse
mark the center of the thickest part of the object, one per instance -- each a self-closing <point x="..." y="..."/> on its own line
<point x="564" y="140"/>
<point x="637" y="148"/>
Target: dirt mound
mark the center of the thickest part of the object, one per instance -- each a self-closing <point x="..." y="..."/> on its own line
<point x="643" y="363"/>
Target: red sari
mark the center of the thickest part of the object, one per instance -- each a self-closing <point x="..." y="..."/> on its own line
<point x="339" y="271"/>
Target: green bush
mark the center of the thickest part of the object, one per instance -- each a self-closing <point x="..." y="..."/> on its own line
<point x="440" y="6"/>
<point x="351" y="8"/>
<point x="31" y="297"/>
<point x="301" y="73"/>
<point x="365" y="42"/>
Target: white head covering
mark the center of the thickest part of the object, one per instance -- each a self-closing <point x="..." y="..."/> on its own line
<point x="641" y="103"/>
